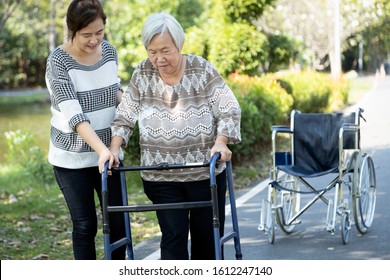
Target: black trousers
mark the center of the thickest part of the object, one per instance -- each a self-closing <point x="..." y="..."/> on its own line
<point x="176" y="224"/>
<point x="79" y="187"/>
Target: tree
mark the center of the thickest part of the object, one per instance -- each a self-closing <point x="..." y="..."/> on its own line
<point x="245" y="10"/>
<point x="6" y="10"/>
<point x="125" y="20"/>
<point x="283" y="52"/>
<point x="230" y="40"/>
<point x="312" y="22"/>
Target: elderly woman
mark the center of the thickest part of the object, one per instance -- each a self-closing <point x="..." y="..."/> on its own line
<point x="186" y="113"/>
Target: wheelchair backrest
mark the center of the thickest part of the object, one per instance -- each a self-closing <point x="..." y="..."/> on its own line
<point x="316" y="139"/>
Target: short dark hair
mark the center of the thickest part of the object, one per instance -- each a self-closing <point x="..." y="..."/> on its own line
<point x="81" y="13"/>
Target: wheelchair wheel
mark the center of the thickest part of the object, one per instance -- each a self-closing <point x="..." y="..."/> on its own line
<point x="364" y="192"/>
<point x="345" y="227"/>
<point x="267" y="220"/>
<point x="270" y="223"/>
<point x="289" y="204"/>
<point x="271" y="229"/>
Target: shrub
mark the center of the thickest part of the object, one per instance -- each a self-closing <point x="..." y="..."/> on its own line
<point x="311" y="90"/>
<point x="21" y="150"/>
<point x="340" y="89"/>
<point x="282" y="50"/>
<point x="231" y="49"/>
<point x="195" y="42"/>
<point x="263" y="103"/>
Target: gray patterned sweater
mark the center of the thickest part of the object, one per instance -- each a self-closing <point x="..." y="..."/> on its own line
<point x="80" y="93"/>
<point x="178" y="124"/>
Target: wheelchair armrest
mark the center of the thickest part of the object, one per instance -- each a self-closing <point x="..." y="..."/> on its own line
<point x="281" y="129"/>
<point x="350" y="127"/>
<point x="345" y="128"/>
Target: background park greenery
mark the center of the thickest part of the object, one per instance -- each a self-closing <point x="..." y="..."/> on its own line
<point x="276" y="55"/>
<point x="248" y="36"/>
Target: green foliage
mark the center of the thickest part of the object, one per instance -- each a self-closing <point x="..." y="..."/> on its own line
<point x="245" y="10"/>
<point x="124" y="25"/>
<point x="196" y="42"/>
<point x="132" y="151"/>
<point x="188" y="7"/>
<point x="340" y="93"/>
<point x="22" y="151"/>
<point x="23" y="44"/>
<point x="263" y="103"/>
<point x="282" y="50"/>
<point x="311" y="90"/>
<point x="24" y="36"/>
<point x="35" y="223"/>
<point x="231" y="49"/>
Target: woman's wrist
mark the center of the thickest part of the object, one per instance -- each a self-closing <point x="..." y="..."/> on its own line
<point x="221" y="140"/>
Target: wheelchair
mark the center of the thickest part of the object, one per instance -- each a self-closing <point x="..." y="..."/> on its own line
<point x="319" y="145"/>
<point x="125" y="208"/>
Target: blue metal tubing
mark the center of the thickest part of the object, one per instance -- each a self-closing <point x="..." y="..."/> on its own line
<point x="108" y="247"/>
<point x="214" y="200"/>
<point x="235" y="232"/>
<point x="127" y="240"/>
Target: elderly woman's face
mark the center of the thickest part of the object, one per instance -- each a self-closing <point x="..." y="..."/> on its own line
<point x="163" y="54"/>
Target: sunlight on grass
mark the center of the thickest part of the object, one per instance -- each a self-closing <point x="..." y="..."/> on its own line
<point x="358" y="88"/>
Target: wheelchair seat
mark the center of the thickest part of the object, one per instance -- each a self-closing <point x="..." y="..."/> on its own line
<point x="316" y="143"/>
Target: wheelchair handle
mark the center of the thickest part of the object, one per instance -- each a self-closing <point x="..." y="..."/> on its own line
<point x="361" y="110"/>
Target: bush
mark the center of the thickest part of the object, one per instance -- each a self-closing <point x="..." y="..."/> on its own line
<point x="311" y="90"/>
<point x="231" y="49"/>
<point x="195" y="42"/>
<point x="263" y="103"/>
<point x="23" y="151"/>
<point x="282" y="50"/>
<point x="340" y="93"/>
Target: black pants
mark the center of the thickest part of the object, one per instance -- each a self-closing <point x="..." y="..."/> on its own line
<point x="176" y="224"/>
<point x="79" y="187"/>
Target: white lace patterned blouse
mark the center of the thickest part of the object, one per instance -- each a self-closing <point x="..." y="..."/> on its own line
<point x="178" y="124"/>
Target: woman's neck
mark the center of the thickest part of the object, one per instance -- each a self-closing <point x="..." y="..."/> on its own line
<point x="80" y="56"/>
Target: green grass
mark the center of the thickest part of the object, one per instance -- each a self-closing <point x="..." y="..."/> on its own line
<point x="359" y="87"/>
<point x="35" y="222"/>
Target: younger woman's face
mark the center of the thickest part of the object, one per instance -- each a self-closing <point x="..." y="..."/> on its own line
<point x="88" y="39"/>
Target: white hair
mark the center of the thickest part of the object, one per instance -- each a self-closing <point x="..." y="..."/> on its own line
<point x="160" y="23"/>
